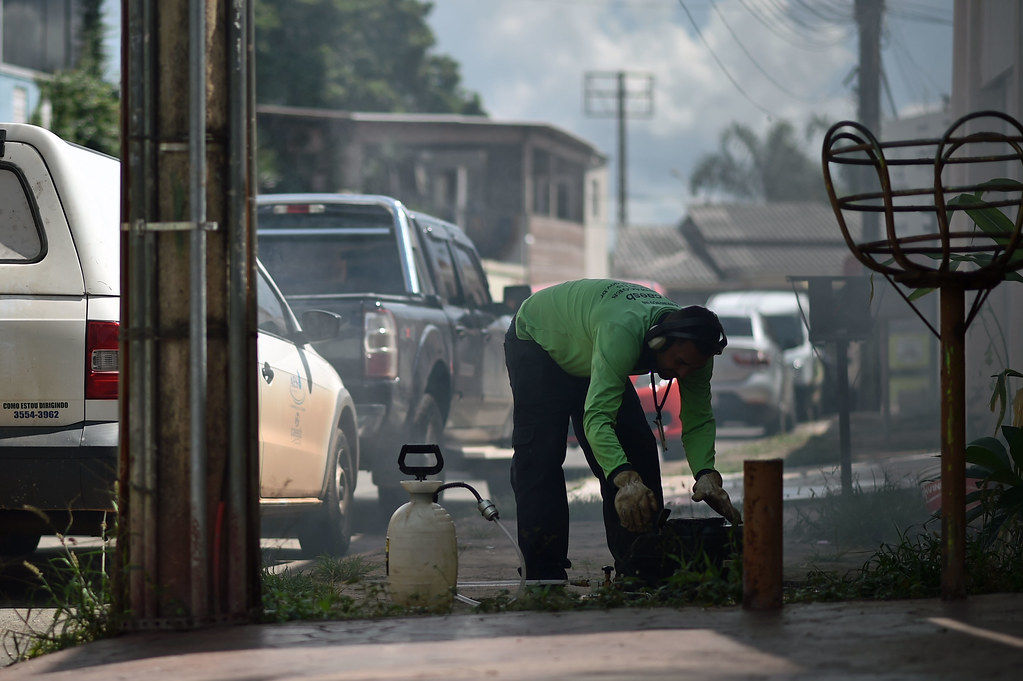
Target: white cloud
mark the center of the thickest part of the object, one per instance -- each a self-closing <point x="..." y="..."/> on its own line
<point x="528" y="60"/>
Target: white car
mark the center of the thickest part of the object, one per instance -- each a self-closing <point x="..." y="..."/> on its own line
<point x="755" y="378"/>
<point x="308" y="442"/>
<point x="59" y="327"/>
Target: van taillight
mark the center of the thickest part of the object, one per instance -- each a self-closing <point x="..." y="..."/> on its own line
<point x="751" y="357"/>
<point x="101" y="361"/>
<point x="380" y="344"/>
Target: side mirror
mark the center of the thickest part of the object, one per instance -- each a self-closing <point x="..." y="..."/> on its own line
<point x="320" y="325"/>
<point x="514" y="295"/>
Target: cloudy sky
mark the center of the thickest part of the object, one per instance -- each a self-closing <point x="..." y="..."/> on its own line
<point x="712" y="62"/>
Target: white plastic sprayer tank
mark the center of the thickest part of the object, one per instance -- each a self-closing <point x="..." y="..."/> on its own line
<point x="422" y="553"/>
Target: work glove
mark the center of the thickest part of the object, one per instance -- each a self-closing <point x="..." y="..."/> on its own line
<point x="634" y="502"/>
<point x="708" y="488"/>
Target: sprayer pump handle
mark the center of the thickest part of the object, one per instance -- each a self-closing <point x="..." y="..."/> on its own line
<point x="421" y="471"/>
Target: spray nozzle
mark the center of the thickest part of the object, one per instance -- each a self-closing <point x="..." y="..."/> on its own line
<point x="487" y="509"/>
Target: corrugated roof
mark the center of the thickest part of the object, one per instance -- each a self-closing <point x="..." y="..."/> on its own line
<point x="660" y="254"/>
<point x="738" y="246"/>
<point x="772" y="222"/>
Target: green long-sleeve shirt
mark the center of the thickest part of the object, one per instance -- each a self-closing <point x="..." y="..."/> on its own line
<point x="595" y="328"/>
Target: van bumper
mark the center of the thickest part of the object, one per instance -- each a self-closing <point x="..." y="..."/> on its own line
<point x="60" y="470"/>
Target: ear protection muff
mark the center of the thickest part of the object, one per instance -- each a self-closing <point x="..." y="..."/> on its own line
<point x="703" y="327"/>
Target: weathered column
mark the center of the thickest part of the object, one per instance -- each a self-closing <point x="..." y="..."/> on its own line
<point x="953" y="443"/>
<point x="762" y="535"/>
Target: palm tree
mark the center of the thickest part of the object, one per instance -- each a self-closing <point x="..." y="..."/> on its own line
<point x="771" y="169"/>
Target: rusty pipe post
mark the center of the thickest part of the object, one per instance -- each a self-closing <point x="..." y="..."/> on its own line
<point x="953" y="443"/>
<point x="762" y="535"/>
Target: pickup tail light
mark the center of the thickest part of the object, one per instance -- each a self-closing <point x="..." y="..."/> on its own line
<point x="380" y="344"/>
<point x="102" y="360"/>
<point x="751" y="358"/>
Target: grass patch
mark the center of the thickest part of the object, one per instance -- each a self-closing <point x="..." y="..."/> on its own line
<point x="861" y="519"/>
<point x="332" y="589"/>
<point x="76" y="596"/>
<point x="911" y="568"/>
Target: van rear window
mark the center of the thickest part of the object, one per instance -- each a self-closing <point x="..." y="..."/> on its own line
<point x="786" y="330"/>
<point x="739" y="327"/>
<point x="20" y="236"/>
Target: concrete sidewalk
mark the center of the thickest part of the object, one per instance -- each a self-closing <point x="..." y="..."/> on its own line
<point x="979" y="638"/>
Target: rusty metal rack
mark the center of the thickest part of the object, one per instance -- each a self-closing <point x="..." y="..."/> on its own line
<point x="962" y="247"/>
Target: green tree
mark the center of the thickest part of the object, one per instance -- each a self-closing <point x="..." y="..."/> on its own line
<point x="84" y="107"/>
<point x="774" y="168"/>
<point x="355" y="55"/>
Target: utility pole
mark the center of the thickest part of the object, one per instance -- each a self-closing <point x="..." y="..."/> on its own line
<point x="869" y="17"/>
<point x="620" y="95"/>
<point x="188" y="531"/>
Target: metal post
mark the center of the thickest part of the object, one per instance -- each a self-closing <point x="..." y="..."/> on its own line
<point x="953" y="443"/>
<point x="242" y="522"/>
<point x="198" y="506"/>
<point x="842" y="387"/>
<point x="623" y="218"/>
<point x="762" y="550"/>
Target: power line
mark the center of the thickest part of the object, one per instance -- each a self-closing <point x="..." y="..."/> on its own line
<point x="915" y="11"/>
<point x="755" y="61"/>
<point x="728" y="74"/>
<point x="779" y="24"/>
<point x="926" y="85"/>
<point x="828" y="13"/>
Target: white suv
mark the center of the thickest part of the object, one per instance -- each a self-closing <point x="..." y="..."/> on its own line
<point x="769" y="374"/>
<point x="59" y="323"/>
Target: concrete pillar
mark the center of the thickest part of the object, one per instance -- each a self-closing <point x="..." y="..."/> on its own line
<point x="762" y="535"/>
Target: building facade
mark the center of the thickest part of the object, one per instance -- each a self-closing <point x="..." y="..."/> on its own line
<point x="987" y="74"/>
<point x="37" y="37"/>
<point x="531" y="196"/>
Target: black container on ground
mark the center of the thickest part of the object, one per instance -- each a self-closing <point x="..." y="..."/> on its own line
<point x="691" y="544"/>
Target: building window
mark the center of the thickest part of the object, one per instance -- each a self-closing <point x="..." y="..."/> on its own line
<point x="41" y="34"/>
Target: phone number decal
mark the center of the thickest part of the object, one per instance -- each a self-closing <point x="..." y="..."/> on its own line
<point x="35" y="410"/>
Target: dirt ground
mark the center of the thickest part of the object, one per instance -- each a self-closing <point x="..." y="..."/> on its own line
<point x="488" y="560"/>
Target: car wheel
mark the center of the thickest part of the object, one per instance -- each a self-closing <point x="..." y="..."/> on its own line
<point x="427" y="427"/>
<point x="328" y="530"/>
<point x="18" y="544"/>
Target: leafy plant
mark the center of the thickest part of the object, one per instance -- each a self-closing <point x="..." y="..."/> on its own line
<point x="77" y="585"/>
<point x="1002" y="398"/>
<point x="999" y="496"/>
<point x="991" y="222"/>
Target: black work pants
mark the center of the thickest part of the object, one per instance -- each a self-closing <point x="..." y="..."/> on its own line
<point x="546" y="400"/>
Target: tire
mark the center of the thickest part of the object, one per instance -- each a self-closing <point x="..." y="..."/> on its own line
<point x="18" y="544"/>
<point x="426" y="427"/>
<point x="328" y="530"/>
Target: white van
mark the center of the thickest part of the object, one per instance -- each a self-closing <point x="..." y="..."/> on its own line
<point x="59" y="328"/>
<point x="759" y="318"/>
<point x="59" y="311"/>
